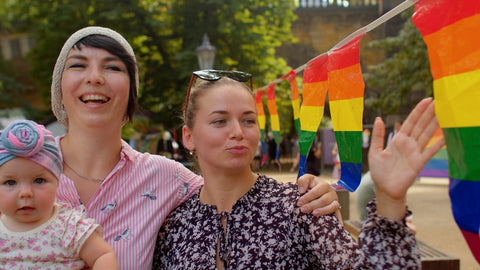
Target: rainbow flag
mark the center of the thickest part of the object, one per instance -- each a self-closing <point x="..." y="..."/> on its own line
<point x="449" y="29"/>
<point x="315" y="84"/>
<point x="261" y="123"/>
<point x="345" y="94"/>
<point x="274" y="120"/>
<point x="291" y="77"/>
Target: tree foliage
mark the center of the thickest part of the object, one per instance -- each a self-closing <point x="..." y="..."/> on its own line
<point x="11" y="84"/>
<point x="164" y="35"/>
<point x="405" y="69"/>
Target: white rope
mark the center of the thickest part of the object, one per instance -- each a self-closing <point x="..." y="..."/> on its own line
<point x="369" y="27"/>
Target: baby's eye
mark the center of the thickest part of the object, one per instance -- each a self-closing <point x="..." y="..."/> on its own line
<point x="10" y="183"/>
<point x="39" y="181"/>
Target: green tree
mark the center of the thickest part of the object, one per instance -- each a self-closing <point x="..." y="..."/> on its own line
<point x="405" y="69"/>
<point x="11" y="84"/>
<point x="164" y="35"/>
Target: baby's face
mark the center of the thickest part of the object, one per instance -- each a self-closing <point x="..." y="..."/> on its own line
<point x="27" y="194"/>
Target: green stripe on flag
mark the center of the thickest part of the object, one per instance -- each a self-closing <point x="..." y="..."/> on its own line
<point x="463" y="145"/>
<point x="277" y="137"/>
<point x="297" y="125"/>
<point x="305" y="141"/>
<point x="349" y="146"/>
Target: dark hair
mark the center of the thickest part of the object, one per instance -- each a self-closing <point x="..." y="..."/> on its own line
<point x="115" y="48"/>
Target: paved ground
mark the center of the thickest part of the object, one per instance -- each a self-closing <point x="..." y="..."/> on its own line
<point x="429" y="201"/>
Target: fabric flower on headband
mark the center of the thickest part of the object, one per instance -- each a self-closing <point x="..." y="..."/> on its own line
<point x="30" y="140"/>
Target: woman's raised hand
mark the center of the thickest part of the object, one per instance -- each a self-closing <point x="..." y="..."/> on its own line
<point x="395" y="168"/>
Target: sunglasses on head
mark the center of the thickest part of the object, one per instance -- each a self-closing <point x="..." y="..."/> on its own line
<point x="215" y="75"/>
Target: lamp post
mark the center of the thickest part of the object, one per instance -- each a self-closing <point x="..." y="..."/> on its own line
<point x="206" y="53"/>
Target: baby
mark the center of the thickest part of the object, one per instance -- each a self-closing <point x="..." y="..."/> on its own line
<point x="36" y="232"/>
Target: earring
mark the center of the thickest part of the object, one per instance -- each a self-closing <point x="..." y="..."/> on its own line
<point x="62" y="112"/>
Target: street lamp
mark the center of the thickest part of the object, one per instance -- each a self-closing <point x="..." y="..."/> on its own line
<point x="206" y="53"/>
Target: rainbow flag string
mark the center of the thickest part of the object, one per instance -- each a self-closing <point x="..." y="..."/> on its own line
<point x="449" y="28"/>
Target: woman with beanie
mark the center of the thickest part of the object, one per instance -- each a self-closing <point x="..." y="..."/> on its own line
<point x="36" y="232"/>
<point x="94" y="93"/>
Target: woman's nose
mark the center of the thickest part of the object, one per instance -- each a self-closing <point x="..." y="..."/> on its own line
<point x="236" y="130"/>
<point x="95" y="75"/>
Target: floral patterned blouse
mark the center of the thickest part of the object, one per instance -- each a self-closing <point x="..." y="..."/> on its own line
<point x="266" y="230"/>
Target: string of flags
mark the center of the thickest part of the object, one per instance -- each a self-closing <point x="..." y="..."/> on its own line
<point x="449" y="30"/>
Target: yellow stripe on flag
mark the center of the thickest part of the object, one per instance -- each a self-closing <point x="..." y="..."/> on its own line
<point x="307" y="113"/>
<point x="296" y="110"/>
<point x="275" y="122"/>
<point x="347" y="114"/>
<point x="261" y="121"/>
<point x="457" y="100"/>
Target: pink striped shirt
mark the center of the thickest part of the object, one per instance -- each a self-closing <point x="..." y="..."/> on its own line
<point x="133" y="201"/>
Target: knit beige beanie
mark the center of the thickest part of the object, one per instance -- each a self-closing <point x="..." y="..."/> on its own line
<point x="57" y="107"/>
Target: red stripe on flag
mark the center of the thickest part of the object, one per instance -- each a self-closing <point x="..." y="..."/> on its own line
<point x="315" y="71"/>
<point x="258" y="100"/>
<point x="430" y="16"/>
<point x="271" y="91"/>
<point x="345" y="56"/>
<point x="291" y="76"/>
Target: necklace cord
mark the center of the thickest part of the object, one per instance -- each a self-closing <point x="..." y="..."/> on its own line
<point x="81" y="176"/>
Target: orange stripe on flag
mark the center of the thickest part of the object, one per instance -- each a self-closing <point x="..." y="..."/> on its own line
<point x="455" y="49"/>
<point x="258" y="101"/>
<point x="348" y="83"/>
<point x="272" y="106"/>
<point x="314" y="93"/>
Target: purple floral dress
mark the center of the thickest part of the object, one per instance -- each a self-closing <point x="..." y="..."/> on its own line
<point x="266" y="230"/>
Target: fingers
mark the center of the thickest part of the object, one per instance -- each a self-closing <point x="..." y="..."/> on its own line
<point x="422" y="124"/>
<point x="378" y="135"/>
<point x="322" y="200"/>
<point x="432" y="150"/>
<point x="412" y="119"/>
<point x="333" y="207"/>
<point x="425" y="126"/>
<point x="339" y="214"/>
<point x="304" y="182"/>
